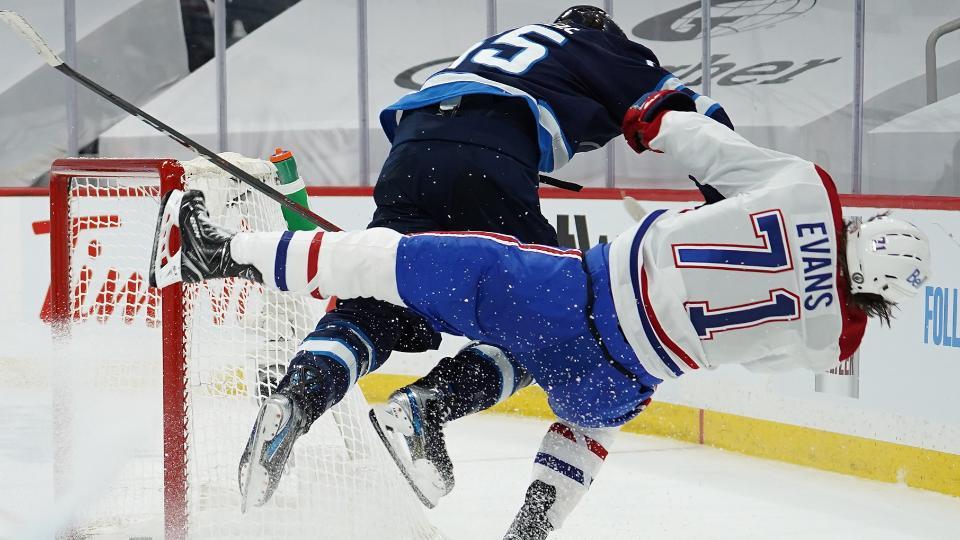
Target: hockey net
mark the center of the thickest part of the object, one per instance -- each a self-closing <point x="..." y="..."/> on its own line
<point x="158" y="390"/>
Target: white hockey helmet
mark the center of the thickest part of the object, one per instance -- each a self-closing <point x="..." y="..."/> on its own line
<point x="889" y="257"/>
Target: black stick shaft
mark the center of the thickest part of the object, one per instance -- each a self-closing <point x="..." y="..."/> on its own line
<point x="237" y="172"/>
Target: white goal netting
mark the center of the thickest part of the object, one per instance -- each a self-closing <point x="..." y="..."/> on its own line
<point x="117" y="381"/>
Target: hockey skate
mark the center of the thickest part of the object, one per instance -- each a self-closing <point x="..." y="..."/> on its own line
<point x="278" y="425"/>
<point x="204" y="246"/>
<point x="410" y="428"/>
<point x="531" y="522"/>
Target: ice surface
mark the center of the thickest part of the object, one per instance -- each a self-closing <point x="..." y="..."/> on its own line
<point x="649" y="488"/>
<point x="656" y="488"/>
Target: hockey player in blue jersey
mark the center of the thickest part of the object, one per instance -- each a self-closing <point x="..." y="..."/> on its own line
<point x="467" y="149"/>
<point x="467" y="152"/>
<point x="768" y="276"/>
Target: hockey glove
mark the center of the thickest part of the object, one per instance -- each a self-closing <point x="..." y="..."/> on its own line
<point x="646" y="113"/>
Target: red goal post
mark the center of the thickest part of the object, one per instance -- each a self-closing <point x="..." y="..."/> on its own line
<point x="169" y="176"/>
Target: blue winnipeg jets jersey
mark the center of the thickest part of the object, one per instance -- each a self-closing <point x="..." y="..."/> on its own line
<point x="578" y="83"/>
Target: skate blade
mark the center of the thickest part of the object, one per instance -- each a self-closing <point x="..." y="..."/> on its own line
<point x="417" y="474"/>
<point x="164" y="264"/>
<point x="257" y="477"/>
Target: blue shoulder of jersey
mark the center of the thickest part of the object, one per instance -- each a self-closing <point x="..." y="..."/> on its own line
<point x="555" y="151"/>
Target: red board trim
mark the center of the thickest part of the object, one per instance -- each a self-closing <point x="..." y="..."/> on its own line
<point x="918" y="202"/>
<point x="24" y="191"/>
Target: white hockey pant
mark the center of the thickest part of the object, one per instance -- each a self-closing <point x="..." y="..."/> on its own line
<point x="353" y="264"/>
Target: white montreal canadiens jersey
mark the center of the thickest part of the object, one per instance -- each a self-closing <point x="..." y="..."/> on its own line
<point x="752" y="279"/>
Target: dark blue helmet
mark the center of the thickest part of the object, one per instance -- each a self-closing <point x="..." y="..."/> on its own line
<point x="590" y="17"/>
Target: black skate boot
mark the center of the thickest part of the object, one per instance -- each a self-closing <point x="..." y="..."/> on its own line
<point x="531" y="522"/>
<point x="411" y="427"/>
<point x="204" y="246"/>
<point x="284" y="416"/>
<point x="278" y="425"/>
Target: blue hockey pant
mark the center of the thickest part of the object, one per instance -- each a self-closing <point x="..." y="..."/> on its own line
<point x="528" y="299"/>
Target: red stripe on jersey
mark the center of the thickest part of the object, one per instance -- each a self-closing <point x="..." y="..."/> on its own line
<point x="312" y="256"/>
<point x="563" y="431"/>
<point x="313" y="260"/>
<point x="507" y="239"/>
<point x="655" y="323"/>
<point x="854" y="319"/>
<point x="596" y="448"/>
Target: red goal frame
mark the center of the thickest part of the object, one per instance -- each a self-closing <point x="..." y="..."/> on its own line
<point x="169" y="175"/>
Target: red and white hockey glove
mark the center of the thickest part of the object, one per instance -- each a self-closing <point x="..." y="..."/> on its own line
<point x="642" y="120"/>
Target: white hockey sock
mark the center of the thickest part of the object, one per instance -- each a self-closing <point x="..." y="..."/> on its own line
<point x="569" y="459"/>
<point x="324" y="264"/>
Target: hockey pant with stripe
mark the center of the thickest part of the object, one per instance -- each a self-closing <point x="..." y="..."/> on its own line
<point x="527" y="299"/>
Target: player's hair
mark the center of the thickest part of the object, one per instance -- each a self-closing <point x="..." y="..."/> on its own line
<point x="872" y="304"/>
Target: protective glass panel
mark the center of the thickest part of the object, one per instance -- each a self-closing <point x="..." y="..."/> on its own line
<point x="912" y="134"/>
<point x="32" y="110"/>
<point x="397" y="68"/>
<point x="291" y="83"/>
<point x="155" y="51"/>
<point x="135" y="49"/>
<point x="791" y="98"/>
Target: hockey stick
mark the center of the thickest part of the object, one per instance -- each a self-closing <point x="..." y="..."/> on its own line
<point x="18" y="23"/>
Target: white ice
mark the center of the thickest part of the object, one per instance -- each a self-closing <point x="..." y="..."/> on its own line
<point x="656" y="488"/>
<point x="650" y="488"/>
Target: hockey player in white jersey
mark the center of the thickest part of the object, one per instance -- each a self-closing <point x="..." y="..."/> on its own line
<point x="768" y="276"/>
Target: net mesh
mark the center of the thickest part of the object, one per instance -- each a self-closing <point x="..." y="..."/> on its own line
<point x="238" y="337"/>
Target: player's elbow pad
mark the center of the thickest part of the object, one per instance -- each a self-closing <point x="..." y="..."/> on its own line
<point x="642" y="120"/>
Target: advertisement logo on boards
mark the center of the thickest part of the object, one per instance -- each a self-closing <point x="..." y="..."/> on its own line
<point x="104" y="288"/>
<point x="726" y="17"/>
<point x="940" y="314"/>
<point x="130" y="292"/>
<point x="579" y="236"/>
